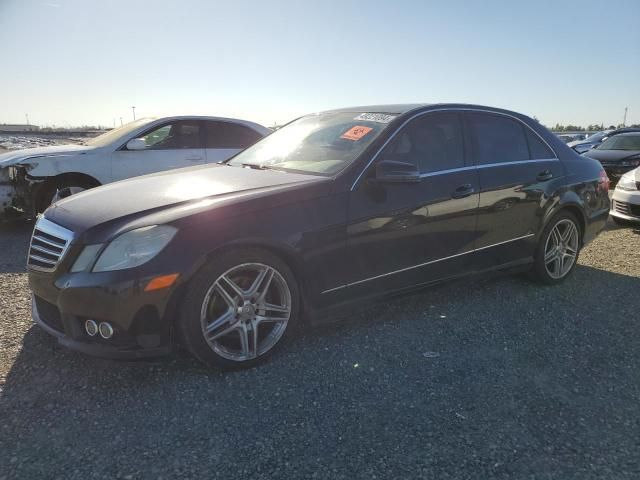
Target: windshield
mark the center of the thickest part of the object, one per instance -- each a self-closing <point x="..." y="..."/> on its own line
<point x="621" y="142"/>
<point x="111" y="135"/>
<point x="596" y="137"/>
<point x="321" y="144"/>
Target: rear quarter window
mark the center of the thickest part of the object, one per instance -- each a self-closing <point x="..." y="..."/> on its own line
<point x="230" y="135"/>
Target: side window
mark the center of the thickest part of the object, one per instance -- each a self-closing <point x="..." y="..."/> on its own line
<point x="230" y="135"/>
<point x="539" y="150"/>
<point x="174" y="136"/>
<point x="497" y="139"/>
<point x="432" y="142"/>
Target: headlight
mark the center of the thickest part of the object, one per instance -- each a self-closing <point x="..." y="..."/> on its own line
<point x="628" y="182"/>
<point x="134" y="248"/>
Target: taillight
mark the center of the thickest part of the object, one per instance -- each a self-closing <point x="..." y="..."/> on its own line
<point x="603" y="182"/>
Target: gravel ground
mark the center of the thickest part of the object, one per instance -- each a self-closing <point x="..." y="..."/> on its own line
<point x="485" y="377"/>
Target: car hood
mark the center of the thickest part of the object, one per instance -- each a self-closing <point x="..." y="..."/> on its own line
<point x="579" y="142"/>
<point x="610" y="155"/>
<point x="182" y="191"/>
<point x="17" y="156"/>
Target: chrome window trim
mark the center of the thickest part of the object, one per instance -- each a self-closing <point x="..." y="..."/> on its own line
<point x="488" y="165"/>
<point x="54" y="230"/>
<point x="426" y="263"/>
<point x="469" y="167"/>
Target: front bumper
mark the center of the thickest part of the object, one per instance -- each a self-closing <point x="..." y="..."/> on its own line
<point x="140" y="319"/>
<point x="626" y="205"/>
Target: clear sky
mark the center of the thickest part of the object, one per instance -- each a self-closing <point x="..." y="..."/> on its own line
<point x="76" y="62"/>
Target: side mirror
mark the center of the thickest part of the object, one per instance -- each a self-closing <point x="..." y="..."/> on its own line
<point x="136" y="144"/>
<point x="390" y="171"/>
<point x="594" y="146"/>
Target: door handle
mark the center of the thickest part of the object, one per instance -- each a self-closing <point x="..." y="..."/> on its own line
<point x="194" y="159"/>
<point x="462" y="191"/>
<point x="544" y="176"/>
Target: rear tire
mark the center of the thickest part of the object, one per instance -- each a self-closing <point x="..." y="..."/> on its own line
<point x="240" y="292"/>
<point x="558" y="249"/>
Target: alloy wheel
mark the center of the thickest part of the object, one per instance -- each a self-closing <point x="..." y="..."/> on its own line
<point x="246" y="311"/>
<point x="561" y="248"/>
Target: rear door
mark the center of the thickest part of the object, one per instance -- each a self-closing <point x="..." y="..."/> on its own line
<point x="170" y="145"/>
<point x="411" y="233"/>
<point x="516" y="168"/>
<point x="225" y="139"/>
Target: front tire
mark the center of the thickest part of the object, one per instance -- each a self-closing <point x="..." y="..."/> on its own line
<point x="558" y="249"/>
<point x="55" y="190"/>
<point x="239" y="308"/>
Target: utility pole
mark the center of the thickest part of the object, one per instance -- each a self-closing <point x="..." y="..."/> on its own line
<point x="624" y="122"/>
<point x="120" y="121"/>
<point x="134" y="112"/>
<point x="27" y="117"/>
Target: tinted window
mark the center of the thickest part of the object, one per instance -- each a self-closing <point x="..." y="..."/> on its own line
<point x="621" y="142"/>
<point x="497" y="139"/>
<point x="537" y="147"/>
<point x="230" y="135"/>
<point x="432" y="142"/>
<point x="174" y="136"/>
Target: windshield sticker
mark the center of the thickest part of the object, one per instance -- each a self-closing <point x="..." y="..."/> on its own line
<point x="376" y="117"/>
<point x="356" y="133"/>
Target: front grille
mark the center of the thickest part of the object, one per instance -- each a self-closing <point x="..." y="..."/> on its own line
<point x="626" y="208"/>
<point x="49" y="314"/>
<point x="49" y="243"/>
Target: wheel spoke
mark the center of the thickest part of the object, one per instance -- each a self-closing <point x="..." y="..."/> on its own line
<point x="254" y="337"/>
<point x="556" y="236"/>
<point x="223" y="319"/>
<point x="236" y="289"/>
<point x="270" y="307"/>
<point x="551" y="254"/>
<point x="223" y="332"/>
<point x="261" y="284"/>
<point x="270" y="319"/>
<point x="244" y="341"/>
<point x="568" y="233"/>
<point x="228" y="299"/>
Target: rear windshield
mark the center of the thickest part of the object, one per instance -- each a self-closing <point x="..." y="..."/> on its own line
<point x="320" y="144"/>
<point x="621" y="142"/>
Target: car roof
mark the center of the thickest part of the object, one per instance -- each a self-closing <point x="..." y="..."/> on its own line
<point x="400" y="108"/>
<point x="255" y="126"/>
<point x="397" y="108"/>
<point x="629" y="134"/>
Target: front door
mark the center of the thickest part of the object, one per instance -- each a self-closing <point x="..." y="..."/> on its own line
<point x="172" y="145"/>
<point x="405" y="234"/>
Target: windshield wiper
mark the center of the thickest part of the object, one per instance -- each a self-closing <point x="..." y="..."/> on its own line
<point x="256" y="166"/>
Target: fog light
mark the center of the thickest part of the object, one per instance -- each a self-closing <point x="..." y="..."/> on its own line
<point x="91" y="328"/>
<point x="106" y="330"/>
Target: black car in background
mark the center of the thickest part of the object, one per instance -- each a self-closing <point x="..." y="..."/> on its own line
<point x="334" y="208"/>
<point x="596" y="139"/>
<point x="618" y="154"/>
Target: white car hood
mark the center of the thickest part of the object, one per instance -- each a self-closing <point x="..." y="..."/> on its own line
<point x="17" y="156"/>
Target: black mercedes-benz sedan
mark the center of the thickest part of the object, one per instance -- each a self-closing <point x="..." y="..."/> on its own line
<point x="334" y="208"/>
<point x="618" y="155"/>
